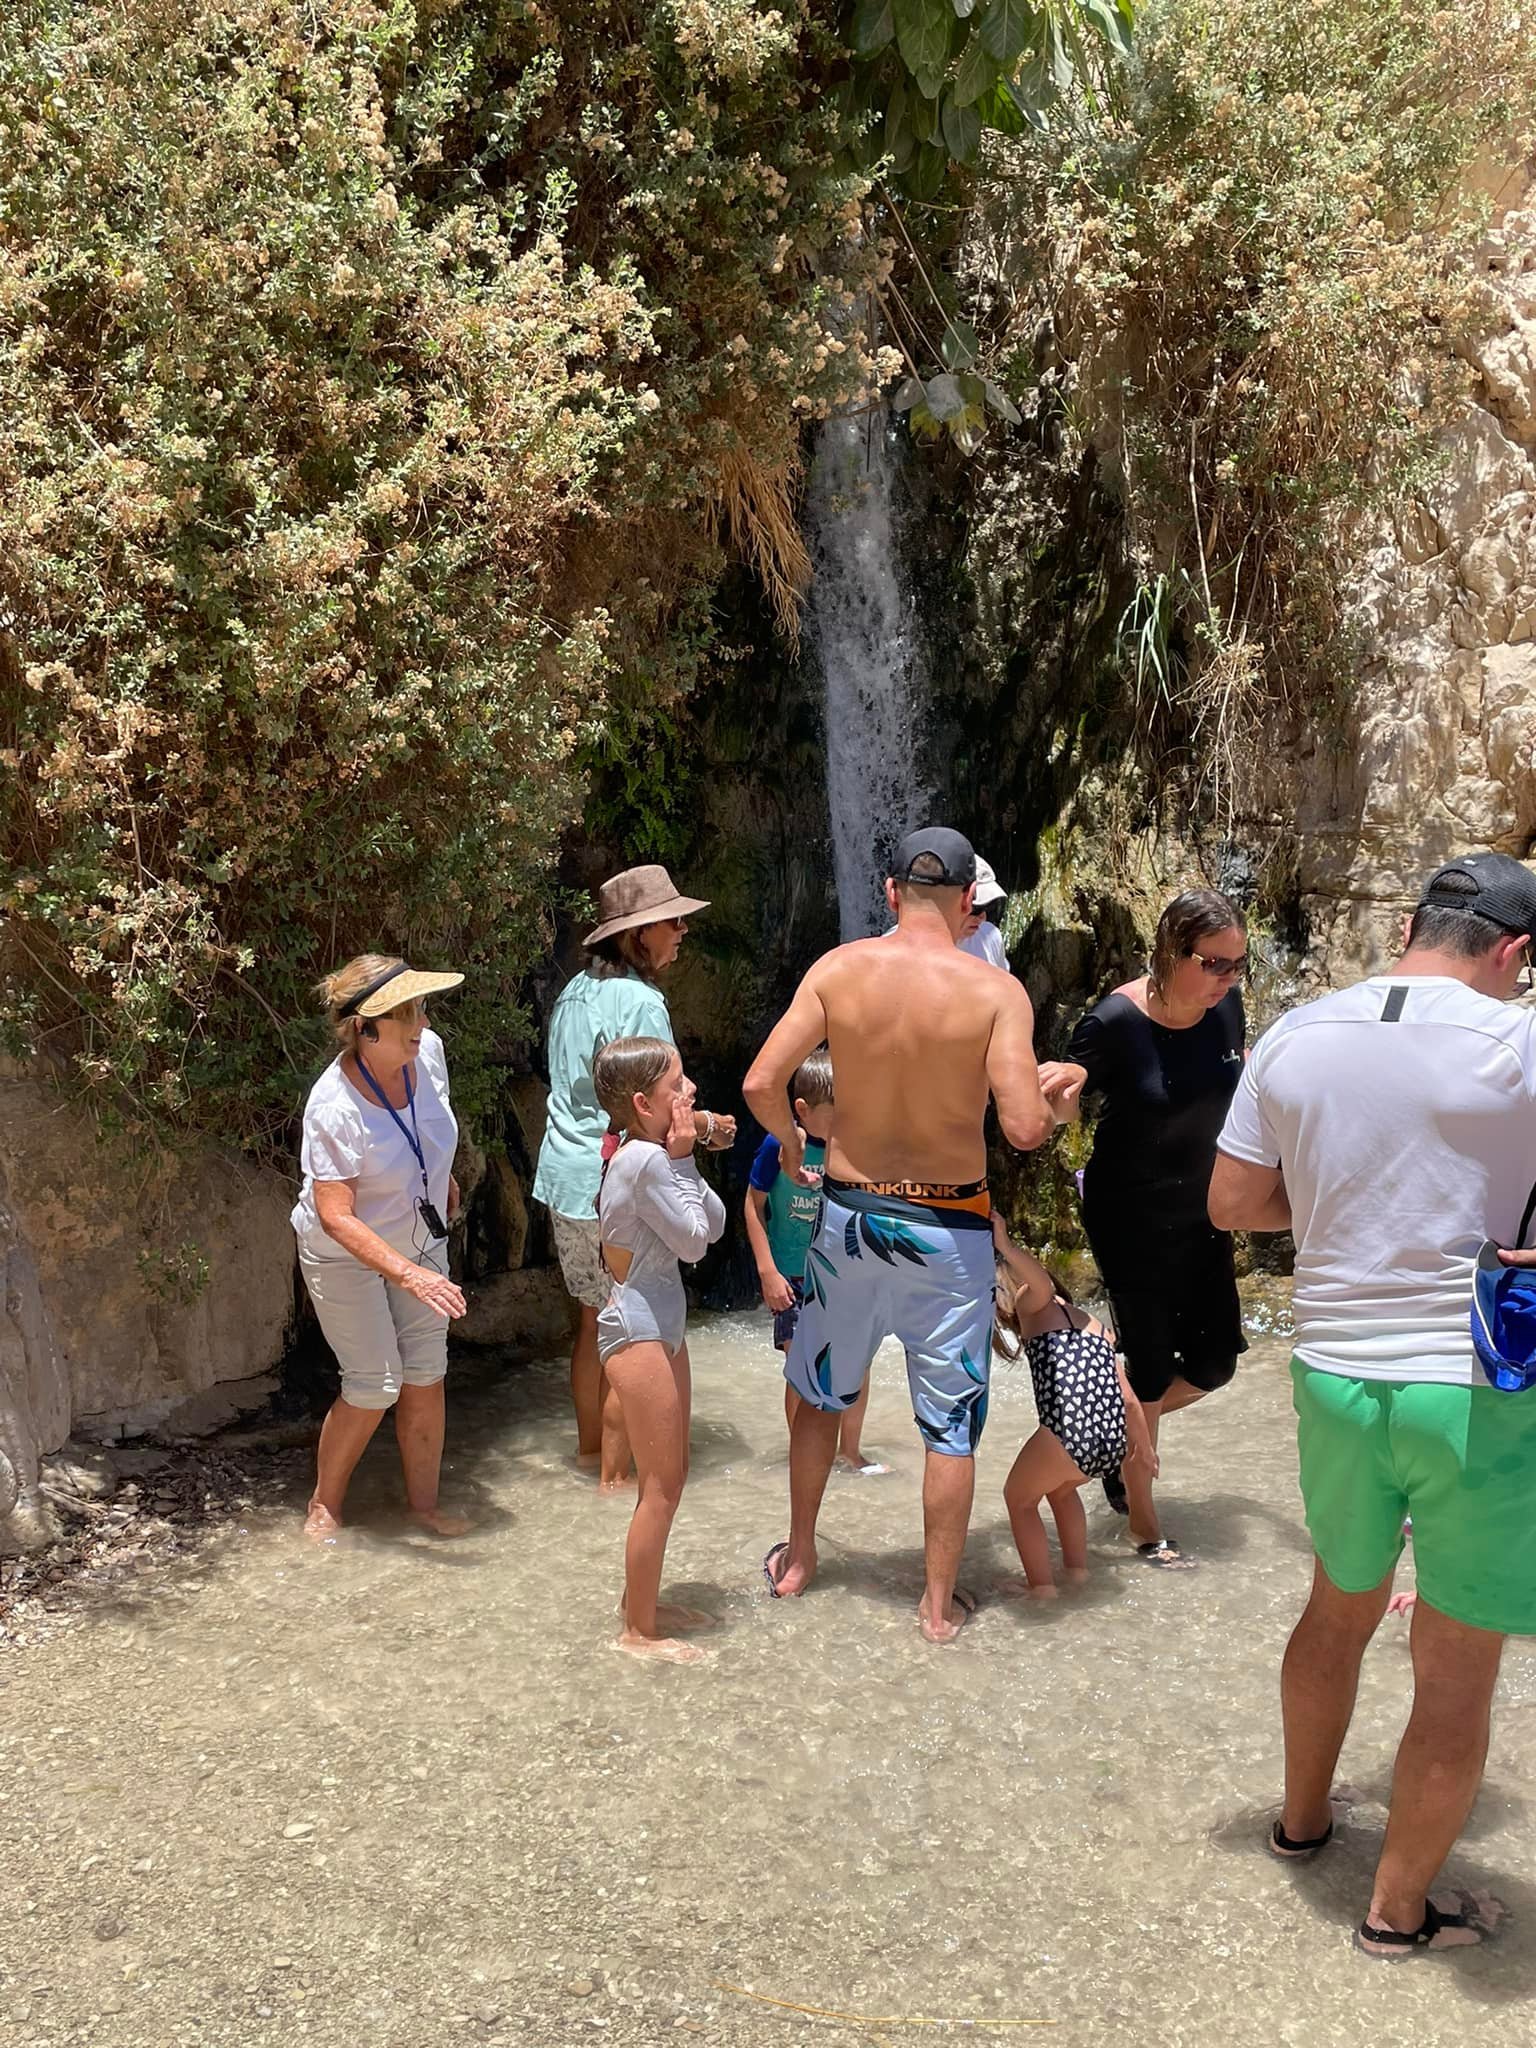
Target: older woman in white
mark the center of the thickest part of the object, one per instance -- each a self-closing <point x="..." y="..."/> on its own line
<point x="372" y="1224"/>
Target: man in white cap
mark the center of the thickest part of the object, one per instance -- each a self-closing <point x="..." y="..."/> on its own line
<point x="979" y="935"/>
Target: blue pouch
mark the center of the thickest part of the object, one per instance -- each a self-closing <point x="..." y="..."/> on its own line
<point x="1504" y="1315"/>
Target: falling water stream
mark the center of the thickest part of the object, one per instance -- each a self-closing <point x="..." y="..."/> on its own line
<point x="406" y="1795"/>
<point x="864" y="630"/>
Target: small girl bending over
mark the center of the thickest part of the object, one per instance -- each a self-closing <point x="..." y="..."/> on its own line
<point x="1090" y="1421"/>
<point x="652" y="1211"/>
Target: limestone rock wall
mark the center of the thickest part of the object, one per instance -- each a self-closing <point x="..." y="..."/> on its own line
<point x="1441" y="752"/>
<point x="144" y="1291"/>
<point x="133" y="1286"/>
<point x="34" y="1393"/>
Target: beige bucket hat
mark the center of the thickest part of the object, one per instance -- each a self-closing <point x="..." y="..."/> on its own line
<point x="638" y="896"/>
<point x="401" y="984"/>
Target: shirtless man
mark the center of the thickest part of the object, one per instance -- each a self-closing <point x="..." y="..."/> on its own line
<point x="919" y="1034"/>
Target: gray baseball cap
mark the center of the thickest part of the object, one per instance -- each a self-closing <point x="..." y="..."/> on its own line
<point x="936" y="846"/>
<point x="1503" y="890"/>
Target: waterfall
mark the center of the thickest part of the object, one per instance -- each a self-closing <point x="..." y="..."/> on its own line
<point x="864" y="631"/>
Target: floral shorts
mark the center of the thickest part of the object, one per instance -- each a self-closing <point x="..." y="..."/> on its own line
<point x="890" y="1268"/>
<point x="581" y="1266"/>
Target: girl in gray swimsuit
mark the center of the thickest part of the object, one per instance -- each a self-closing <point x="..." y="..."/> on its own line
<point x="652" y="1210"/>
<point x="659" y="1210"/>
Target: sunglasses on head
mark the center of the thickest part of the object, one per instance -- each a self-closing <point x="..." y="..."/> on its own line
<point x="1221" y="965"/>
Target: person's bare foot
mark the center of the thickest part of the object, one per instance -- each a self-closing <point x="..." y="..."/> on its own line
<point x="684" y="1621"/>
<point x="612" y="1488"/>
<point x="436" y="1523"/>
<point x="677" y="1621"/>
<point x="588" y="1461"/>
<point x="961" y="1608"/>
<point x="320" y="1525"/>
<point x="856" y="1462"/>
<point x="666" y="1648"/>
<point x="1075" y="1574"/>
<point x="1017" y="1587"/>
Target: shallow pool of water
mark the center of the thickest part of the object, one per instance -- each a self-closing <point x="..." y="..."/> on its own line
<point x="406" y="1793"/>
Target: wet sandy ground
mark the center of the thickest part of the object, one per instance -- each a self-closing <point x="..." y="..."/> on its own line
<point x="405" y="1794"/>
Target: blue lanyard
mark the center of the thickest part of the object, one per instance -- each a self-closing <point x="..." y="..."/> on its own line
<point x="412" y="1136"/>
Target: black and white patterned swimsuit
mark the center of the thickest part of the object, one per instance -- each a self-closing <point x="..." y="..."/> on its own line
<point x="1078" y="1397"/>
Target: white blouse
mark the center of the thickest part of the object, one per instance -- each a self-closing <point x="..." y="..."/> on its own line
<point x="349" y="1136"/>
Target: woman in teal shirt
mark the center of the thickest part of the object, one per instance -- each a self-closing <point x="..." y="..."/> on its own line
<point x="641" y="925"/>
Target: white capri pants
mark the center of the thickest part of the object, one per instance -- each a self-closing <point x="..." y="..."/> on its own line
<point x="384" y="1339"/>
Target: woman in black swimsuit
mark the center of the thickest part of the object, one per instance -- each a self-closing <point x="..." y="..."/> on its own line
<point x="1165" y="1052"/>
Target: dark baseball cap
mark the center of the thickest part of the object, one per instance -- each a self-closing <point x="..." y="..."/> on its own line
<point x="952" y="851"/>
<point x="1503" y="890"/>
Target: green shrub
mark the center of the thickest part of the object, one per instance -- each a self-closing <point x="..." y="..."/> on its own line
<point x="372" y="396"/>
<point x="1241" y="287"/>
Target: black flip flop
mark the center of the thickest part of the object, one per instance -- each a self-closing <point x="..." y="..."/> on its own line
<point x="1281" y="1844"/>
<point x="1391" y="1946"/>
<point x="769" y="1580"/>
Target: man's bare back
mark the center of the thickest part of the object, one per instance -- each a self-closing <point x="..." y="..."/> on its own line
<point x="920" y="1033"/>
<point x="910" y="1027"/>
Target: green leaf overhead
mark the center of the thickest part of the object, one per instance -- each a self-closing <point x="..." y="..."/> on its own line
<point x="927" y="174"/>
<point x="1113" y="24"/>
<point x="962" y="129"/>
<point x="922" y="36"/>
<point x="1006" y="28"/>
<point x="946" y="401"/>
<point x="923" y="114"/>
<point x="874" y="25"/>
<point x="977" y="73"/>
<point x="900" y="137"/>
<point x="960" y="346"/>
<point x="1002" y="405"/>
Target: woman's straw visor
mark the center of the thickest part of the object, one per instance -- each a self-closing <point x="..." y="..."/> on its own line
<point x="400" y="985"/>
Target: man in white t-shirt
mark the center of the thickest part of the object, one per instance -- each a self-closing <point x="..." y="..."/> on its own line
<point x="1392" y="1127"/>
<point x="979" y="935"/>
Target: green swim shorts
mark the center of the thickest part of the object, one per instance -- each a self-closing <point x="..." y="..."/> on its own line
<point x="1460" y="1460"/>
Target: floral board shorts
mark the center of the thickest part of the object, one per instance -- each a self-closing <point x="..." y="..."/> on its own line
<point x="880" y="1266"/>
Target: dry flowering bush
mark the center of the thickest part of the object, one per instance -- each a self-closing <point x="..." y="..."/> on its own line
<point x="374" y="398"/>
<point x="1243" y="289"/>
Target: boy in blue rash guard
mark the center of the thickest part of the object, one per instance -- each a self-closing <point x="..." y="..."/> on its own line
<point x="781" y="1217"/>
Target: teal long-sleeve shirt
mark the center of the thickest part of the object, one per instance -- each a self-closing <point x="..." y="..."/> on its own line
<point x="589" y="1013"/>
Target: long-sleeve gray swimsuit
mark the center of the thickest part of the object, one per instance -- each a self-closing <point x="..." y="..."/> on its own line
<point x="659" y="1210"/>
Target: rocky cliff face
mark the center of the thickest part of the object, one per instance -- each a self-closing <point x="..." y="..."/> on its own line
<point x="1440" y="752"/>
<point x="34" y="1392"/>
<point x="146" y="1292"/>
<point x="133" y="1288"/>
